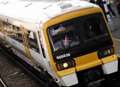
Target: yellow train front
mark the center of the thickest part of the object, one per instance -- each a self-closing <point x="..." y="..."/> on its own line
<point x="80" y="47"/>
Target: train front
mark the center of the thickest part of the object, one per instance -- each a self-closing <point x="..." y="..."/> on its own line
<point x="80" y="47"/>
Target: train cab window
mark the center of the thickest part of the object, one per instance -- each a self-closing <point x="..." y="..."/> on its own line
<point x="32" y="40"/>
<point x="79" y="36"/>
<point x="93" y="27"/>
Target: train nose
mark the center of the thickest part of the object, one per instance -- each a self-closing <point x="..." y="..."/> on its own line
<point x="109" y="64"/>
<point x="88" y="69"/>
<point x="87" y="61"/>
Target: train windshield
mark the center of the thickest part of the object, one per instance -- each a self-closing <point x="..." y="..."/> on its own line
<point x="79" y="36"/>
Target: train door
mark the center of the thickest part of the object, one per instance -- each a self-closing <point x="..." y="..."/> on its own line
<point x="34" y="50"/>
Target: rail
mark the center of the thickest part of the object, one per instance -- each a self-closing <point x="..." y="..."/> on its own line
<point x="3" y="82"/>
<point x="41" y="77"/>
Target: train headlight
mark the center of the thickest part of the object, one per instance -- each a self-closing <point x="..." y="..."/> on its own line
<point x="65" y="65"/>
<point x="105" y="52"/>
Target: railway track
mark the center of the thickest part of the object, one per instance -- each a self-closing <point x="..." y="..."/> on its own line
<point x="2" y="82"/>
<point x="11" y="74"/>
<point x="40" y="77"/>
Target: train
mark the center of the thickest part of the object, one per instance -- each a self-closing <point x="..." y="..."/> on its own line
<point x="68" y="39"/>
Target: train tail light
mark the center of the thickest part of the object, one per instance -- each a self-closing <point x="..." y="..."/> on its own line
<point x="105" y="52"/>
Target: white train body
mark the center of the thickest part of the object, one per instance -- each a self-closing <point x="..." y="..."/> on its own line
<point x="20" y="18"/>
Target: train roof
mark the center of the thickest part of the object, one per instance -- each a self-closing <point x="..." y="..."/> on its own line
<point x="31" y="13"/>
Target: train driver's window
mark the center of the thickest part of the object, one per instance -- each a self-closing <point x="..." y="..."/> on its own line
<point x="93" y="28"/>
<point x="32" y="40"/>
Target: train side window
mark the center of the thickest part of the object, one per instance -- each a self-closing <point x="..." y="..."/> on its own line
<point x="18" y="35"/>
<point x="13" y="31"/>
<point x="1" y="26"/>
<point x="32" y="40"/>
